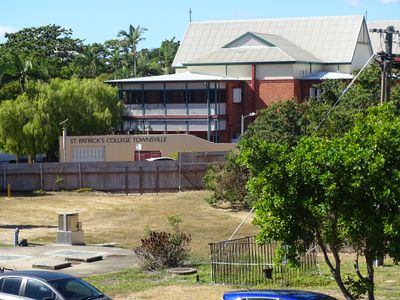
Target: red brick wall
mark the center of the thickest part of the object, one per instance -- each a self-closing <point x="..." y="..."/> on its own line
<point x="270" y="91"/>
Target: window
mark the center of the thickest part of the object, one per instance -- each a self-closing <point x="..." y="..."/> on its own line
<point x="237" y="95"/>
<point x="175" y="96"/>
<point x="132" y="97"/>
<point x="38" y="290"/>
<point x="198" y="96"/>
<point x="11" y="285"/>
<point x="152" y="96"/>
<point x="315" y="93"/>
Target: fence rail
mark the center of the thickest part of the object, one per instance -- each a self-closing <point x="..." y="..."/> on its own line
<point x="128" y="177"/>
<point x="244" y="262"/>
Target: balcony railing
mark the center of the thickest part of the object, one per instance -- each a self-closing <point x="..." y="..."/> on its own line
<point x="192" y="109"/>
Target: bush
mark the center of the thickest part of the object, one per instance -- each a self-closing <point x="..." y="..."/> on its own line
<point x="227" y="180"/>
<point x="160" y="250"/>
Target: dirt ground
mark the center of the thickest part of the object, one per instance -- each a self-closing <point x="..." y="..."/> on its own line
<point x="120" y="219"/>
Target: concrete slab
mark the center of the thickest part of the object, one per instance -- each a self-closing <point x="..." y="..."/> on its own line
<point x="52" y="266"/>
<point x="113" y="259"/>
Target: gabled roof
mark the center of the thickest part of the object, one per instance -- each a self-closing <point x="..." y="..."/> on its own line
<point x="256" y="48"/>
<point x="329" y="39"/>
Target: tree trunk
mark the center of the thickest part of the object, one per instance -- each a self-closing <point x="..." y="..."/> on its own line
<point x="335" y="270"/>
<point x="370" y="269"/>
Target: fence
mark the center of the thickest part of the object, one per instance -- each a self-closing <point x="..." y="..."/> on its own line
<point x="244" y="262"/>
<point x="128" y="177"/>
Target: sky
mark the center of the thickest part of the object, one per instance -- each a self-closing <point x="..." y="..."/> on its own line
<point x="101" y="20"/>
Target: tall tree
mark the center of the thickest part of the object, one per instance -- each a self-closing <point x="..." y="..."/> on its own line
<point x="30" y="124"/>
<point x="131" y="39"/>
<point x="167" y="53"/>
<point x="51" y="43"/>
<point x="335" y="191"/>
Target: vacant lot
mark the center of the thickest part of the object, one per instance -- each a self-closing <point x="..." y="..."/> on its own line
<point x="119" y="218"/>
<point x="123" y="219"/>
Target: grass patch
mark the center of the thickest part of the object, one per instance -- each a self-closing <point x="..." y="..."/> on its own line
<point x="122" y="219"/>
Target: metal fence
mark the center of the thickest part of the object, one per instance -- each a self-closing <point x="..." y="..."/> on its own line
<point x="130" y="177"/>
<point x="244" y="262"/>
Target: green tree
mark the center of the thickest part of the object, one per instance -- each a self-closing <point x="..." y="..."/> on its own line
<point x="166" y="54"/>
<point x="50" y="45"/>
<point x="91" y="62"/>
<point x="338" y="191"/>
<point x="30" y="124"/>
<point x="131" y="39"/>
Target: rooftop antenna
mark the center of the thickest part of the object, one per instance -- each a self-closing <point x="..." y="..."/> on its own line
<point x="190" y="15"/>
<point x="366" y="15"/>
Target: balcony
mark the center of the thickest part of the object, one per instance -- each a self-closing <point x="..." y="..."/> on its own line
<point x="191" y="109"/>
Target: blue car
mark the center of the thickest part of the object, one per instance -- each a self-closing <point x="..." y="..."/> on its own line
<point x="275" y="295"/>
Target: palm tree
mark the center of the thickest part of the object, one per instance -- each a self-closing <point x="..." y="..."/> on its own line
<point x="167" y="53"/>
<point x="132" y="37"/>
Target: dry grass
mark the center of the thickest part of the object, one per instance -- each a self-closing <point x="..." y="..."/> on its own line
<point x="119" y="218"/>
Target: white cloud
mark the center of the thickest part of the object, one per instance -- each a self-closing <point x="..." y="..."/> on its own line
<point x="6" y="29"/>
<point x="357" y="2"/>
<point x="390" y="1"/>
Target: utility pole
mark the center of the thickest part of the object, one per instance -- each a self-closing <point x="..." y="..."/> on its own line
<point x="386" y="61"/>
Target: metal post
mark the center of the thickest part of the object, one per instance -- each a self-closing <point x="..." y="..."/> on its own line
<point x="16" y="233"/>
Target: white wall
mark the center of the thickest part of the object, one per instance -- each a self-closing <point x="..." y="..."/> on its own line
<point x="361" y="56"/>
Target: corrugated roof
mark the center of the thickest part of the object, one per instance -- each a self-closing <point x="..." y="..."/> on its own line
<point x="329" y="39"/>
<point x="377" y="40"/>
<point x="187" y="76"/>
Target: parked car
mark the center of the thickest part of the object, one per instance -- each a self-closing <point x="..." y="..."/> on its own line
<point x="46" y="285"/>
<point x="275" y="295"/>
<point x="161" y="158"/>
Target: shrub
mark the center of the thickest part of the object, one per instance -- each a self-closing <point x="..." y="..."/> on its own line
<point x="161" y="250"/>
<point x="227" y="180"/>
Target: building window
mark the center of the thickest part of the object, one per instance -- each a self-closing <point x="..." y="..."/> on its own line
<point x="315" y="93"/>
<point x="198" y="96"/>
<point x="132" y="97"/>
<point x="153" y="97"/>
<point x="237" y="95"/>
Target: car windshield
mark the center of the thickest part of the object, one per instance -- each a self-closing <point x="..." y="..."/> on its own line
<point x="75" y="289"/>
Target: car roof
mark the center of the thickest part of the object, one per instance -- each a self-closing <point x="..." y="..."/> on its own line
<point x="44" y="275"/>
<point x="281" y="294"/>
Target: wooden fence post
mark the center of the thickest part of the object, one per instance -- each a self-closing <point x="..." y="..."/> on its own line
<point x="158" y="180"/>
<point x="41" y="176"/>
<point x="140" y="180"/>
<point x="126" y="181"/>
<point x="80" y="175"/>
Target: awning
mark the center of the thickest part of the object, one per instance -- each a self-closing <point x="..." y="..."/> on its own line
<point x="327" y="75"/>
<point x="187" y="76"/>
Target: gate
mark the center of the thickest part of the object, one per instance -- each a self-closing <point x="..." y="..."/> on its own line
<point x="244" y="262"/>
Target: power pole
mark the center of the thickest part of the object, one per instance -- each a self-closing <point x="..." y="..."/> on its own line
<point x="386" y="61"/>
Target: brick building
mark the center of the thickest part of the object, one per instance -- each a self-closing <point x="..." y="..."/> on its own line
<point x="225" y="70"/>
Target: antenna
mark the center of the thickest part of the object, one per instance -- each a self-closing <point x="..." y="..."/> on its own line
<point x="190" y="15"/>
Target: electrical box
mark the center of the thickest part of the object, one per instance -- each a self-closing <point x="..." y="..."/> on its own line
<point x="69" y="229"/>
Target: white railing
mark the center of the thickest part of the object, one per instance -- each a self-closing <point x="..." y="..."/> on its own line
<point x="192" y="109"/>
<point x="181" y="126"/>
